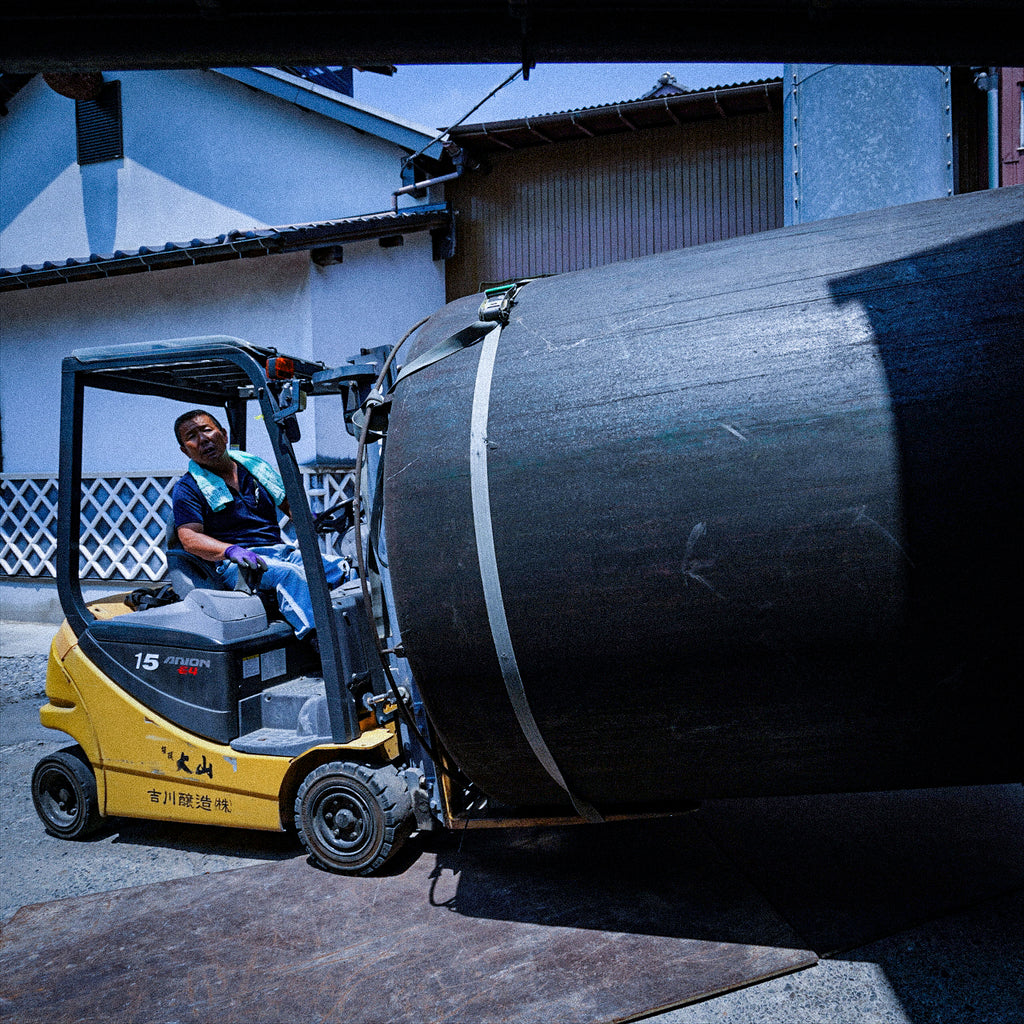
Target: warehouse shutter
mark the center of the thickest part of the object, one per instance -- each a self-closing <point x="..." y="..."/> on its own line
<point x="98" y="123"/>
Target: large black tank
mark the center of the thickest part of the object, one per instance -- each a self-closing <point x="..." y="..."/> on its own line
<point x="755" y="510"/>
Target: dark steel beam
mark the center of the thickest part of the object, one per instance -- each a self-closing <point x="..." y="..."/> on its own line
<point x="126" y="34"/>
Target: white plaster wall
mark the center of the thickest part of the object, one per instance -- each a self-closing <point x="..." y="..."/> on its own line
<point x="372" y="298"/>
<point x="203" y="155"/>
<point x="265" y="301"/>
<point x="39" y="177"/>
<point x="325" y="314"/>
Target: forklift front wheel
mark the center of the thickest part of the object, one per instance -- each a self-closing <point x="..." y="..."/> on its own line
<point x="64" y="794"/>
<point x="352" y="818"/>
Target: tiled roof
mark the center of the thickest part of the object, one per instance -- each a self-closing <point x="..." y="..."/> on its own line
<point x="721" y="90"/>
<point x="229" y="246"/>
<point x="625" y="116"/>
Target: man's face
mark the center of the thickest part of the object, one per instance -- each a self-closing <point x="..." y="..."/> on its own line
<point x="202" y="440"/>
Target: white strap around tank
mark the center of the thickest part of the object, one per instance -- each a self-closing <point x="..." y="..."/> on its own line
<point x="489" y="572"/>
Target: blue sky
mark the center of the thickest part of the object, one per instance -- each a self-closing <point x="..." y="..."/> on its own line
<point x="438" y="95"/>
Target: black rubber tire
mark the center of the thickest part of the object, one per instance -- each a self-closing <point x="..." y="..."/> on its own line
<point x="352" y="818"/>
<point x="64" y="794"/>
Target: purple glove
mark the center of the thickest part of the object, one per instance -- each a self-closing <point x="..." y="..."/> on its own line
<point x="244" y="557"/>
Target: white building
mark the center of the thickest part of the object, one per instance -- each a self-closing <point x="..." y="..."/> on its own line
<point x="244" y="202"/>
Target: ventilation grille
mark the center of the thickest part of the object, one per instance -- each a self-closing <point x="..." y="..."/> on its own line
<point x="99" y="126"/>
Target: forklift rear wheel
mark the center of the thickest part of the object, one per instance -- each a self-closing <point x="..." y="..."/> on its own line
<point x="352" y="818"/>
<point x="64" y="794"/>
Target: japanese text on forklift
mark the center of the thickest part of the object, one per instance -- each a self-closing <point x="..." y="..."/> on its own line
<point x="677" y="528"/>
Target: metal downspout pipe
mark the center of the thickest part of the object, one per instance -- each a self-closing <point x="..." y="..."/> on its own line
<point x="993" y="128"/>
<point x="406" y="189"/>
<point x="988" y="79"/>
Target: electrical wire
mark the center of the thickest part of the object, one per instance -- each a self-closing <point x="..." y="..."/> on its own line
<point x="409" y="159"/>
<point x="406" y="714"/>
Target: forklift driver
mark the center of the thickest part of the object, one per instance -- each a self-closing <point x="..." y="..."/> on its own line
<point x="224" y="512"/>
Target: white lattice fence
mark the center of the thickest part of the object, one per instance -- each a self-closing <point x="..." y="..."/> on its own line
<point x="28" y="515"/>
<point x="123" y="522"/>
<point x="123" y="527"/>
<point x="323" y="488"/>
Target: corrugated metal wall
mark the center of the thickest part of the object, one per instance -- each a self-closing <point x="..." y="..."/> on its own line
<point x="554" y="208"/>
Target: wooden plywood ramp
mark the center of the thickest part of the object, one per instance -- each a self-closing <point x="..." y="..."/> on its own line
<point x="514" y="928"/>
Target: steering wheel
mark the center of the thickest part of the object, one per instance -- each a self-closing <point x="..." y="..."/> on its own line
<point x="335" y="518"/>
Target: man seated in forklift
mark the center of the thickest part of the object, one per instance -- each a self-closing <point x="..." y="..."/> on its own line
<point x="225" y="512"/>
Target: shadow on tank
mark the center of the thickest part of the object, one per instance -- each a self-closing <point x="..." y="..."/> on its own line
<point x="955" y="376"/>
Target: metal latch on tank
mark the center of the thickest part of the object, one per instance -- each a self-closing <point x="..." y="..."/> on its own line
<point x="498" y="302"/>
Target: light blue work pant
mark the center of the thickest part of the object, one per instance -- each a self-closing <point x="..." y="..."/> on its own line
<point x="286" y="576"/>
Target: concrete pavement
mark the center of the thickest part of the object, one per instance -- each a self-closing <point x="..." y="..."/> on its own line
<point x="25" y="639"/>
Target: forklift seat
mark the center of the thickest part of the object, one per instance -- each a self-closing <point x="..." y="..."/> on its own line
<point x="186" y="572"/>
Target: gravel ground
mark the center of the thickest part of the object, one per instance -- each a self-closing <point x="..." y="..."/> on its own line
<point x="22" y="678"/>
<point x="36" y="867"/>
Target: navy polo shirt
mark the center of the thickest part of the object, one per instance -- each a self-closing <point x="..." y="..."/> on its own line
<point x="250" y="519"/>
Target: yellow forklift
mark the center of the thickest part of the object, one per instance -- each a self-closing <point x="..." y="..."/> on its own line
<point x="207" y="709"/>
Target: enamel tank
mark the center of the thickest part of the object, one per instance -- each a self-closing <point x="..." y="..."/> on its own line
<point x="732" y="520"/>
